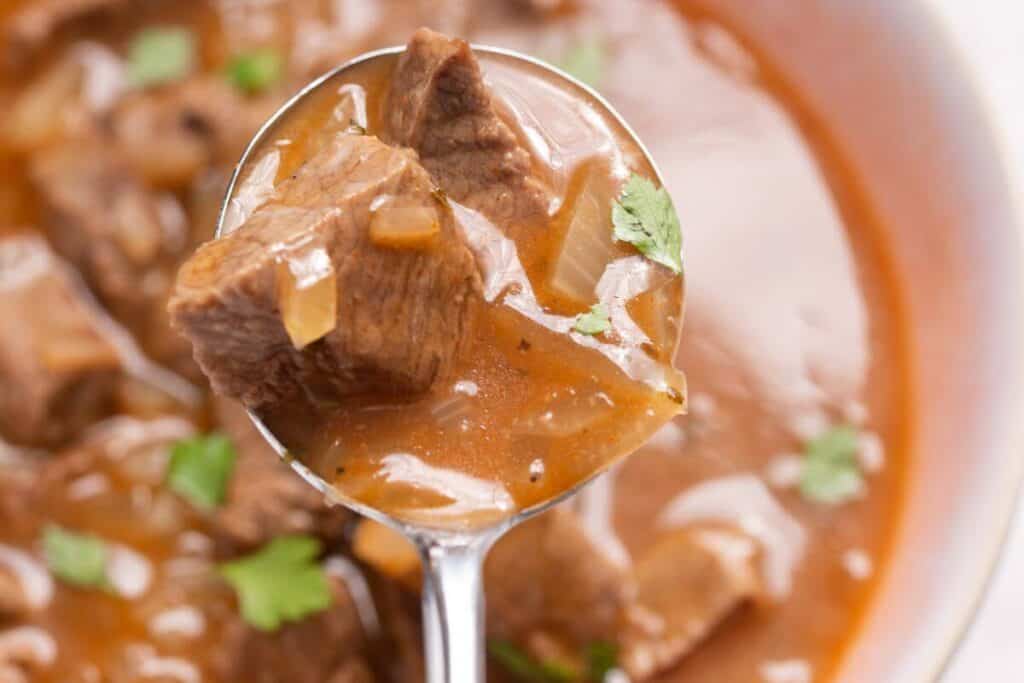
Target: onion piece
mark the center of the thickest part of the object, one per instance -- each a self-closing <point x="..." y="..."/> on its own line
<point x="387" y="551"/>
<point x="307" y="296"/>
<point x="587" y="246"/>
<point x="414" y="228"/>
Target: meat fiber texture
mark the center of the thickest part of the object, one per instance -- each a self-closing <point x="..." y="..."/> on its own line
<point x="401" y="315"/>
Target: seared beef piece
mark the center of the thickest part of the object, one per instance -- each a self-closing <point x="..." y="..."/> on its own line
<point x="310" y="651"/>
<point x="542" y="6"/>
<point x="547" y="575"/>
<point x="104" y="221"/>
<point x="688" y="584"/>
<point x="169" y="135"/>
<point x="265" y="497"/>
<point x="29" y="28"/>
<point x="57" y="367"/>
<point x="440" y="106"/>
<point x="399" y="315"/>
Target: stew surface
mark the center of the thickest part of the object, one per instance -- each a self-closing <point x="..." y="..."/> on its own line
<point x="741" y="544"/>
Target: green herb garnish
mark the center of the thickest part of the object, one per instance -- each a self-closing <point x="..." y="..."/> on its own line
<point x="524" y="667"/>
<point x="78" y="559"/>
<point x="585" y="61"/>
<point x="602" y="657"/>
<point x="161" y="55"/>
<point x="645" y="217"/>
<point x="201" y="468"/>
<point x="255" y="71"/>
<point x="596" y="321"/>
<point x="282" y="582"/>
<point x="831" y="472"/>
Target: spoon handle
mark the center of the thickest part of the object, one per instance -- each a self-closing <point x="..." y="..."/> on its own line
<point x="453" y="607"/>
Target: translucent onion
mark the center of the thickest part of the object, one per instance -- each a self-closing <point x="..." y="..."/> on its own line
<point x="405" y="227"/>
<point x="307" y="296"/>
<point x="587" y="246"/>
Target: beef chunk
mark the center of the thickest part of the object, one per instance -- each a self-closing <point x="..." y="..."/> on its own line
<point x="57" y="367"/>
<point x="104" y="221"/>
<point x="13" y="602"/>
<point x="547" y="575"/>
<point x="311" y="651"/>
<point x="440" y="106"/>
<point x="169" y="135"/>
<point x="689" y="582"/>
<point x="32" y="26"/>
<point x="266" y="498"/>
<point x="300" y="302"/>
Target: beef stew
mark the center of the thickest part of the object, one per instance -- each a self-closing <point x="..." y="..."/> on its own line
<point x="793" y="352"/>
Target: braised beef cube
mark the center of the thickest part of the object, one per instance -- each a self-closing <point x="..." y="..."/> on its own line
<point x="440" y="106"/>
<point x="266" y="498"/>
<point x="301" y="302"/>
<point x="57" y="366"/>
<point x="548" y="575"/>
<point x="310" y="651"/>
<point x="105" y="222"/>
<point x="36" y="23"/>
<point x="689" y="583"/>
<point x="169" y="135"/>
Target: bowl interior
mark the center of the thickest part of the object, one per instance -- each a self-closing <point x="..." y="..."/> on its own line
<point x="902" y="111"/>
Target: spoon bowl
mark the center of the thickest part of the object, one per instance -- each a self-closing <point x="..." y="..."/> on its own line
<point x="452" y="557"/>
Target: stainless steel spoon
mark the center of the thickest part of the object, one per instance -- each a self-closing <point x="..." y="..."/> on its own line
<point x="453" y="600"/>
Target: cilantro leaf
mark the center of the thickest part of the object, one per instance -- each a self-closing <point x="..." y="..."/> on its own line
<point x="585" y="61"/>
<point x="594" y="322"/>
<point x="255" y="71"/>
<point x="200" y="469"/>
<point x="525" y="668"/>
<point x="78" y="559"/>
<point x="645" y="217"/>
<point x="831" y="472"/>
<point x="602" y="657"/>
<point x="161" y="55"/>
<point x="281" y="582"/>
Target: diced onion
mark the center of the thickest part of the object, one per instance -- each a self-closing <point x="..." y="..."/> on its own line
<point x="587" y="247"/>
<point x="405" y="227"/>
<point x="307" y="296"/>
<point x="387" y="551"/>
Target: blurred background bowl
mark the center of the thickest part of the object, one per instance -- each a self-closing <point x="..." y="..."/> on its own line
<point x="903" y="110"/>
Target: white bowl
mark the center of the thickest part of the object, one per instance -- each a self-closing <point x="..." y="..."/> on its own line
<point x="904" y="113"/>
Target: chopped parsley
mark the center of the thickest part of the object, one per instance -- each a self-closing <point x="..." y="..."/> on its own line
<point x="524" y="668"/>
<point x="281" y="582"/>
<point x="602" y="657"/>
<point x="161" y="55"/>
<point x="595" y="321"/>
<point x="645" y="217"/>
<point x="78" y="559"/>
<point x="585" y="61"/>
<point x="255" y="71"/>
<point x="831" y="472"/>
<point x="201" y="468"/>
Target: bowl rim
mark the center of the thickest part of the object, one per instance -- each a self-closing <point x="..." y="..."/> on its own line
<point x="1006" y="502"/>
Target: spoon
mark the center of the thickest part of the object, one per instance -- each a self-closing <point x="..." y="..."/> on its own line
<point x="453" y="600"/>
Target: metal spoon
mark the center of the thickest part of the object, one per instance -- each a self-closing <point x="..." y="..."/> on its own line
<point x="453" y="600"/>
